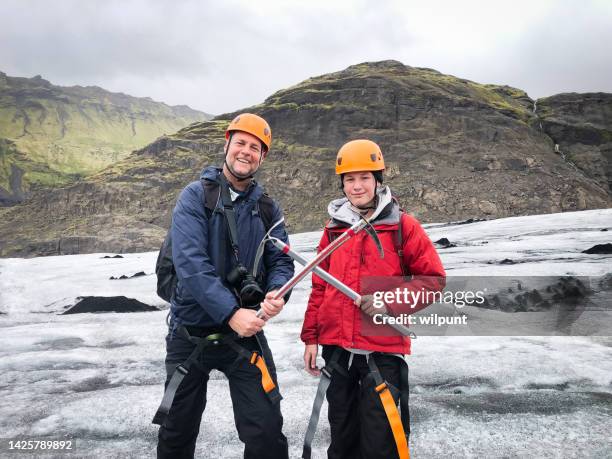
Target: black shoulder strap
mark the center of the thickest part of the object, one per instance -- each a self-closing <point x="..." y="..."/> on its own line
<point x="213" y="191"/>
<point x="399" y="244"/>
<point x="332" y="235"/>
<point x="211" y="194"/>
<point x="265" y="208"/>
<point x="230" y="214"/>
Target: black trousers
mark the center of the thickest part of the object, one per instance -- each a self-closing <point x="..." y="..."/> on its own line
<point x="357" y="419"/>
<point x="259" y="422"/>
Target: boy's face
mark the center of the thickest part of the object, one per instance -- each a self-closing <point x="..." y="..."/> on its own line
<point x="360" y="188"/>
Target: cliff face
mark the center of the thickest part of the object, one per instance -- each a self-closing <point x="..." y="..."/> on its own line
<point x="52" y="135"/>
<point x="580" y="125"/>
<point x="454" y="149"/>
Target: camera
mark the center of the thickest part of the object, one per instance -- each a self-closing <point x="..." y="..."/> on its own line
<point x="248" y="288"/>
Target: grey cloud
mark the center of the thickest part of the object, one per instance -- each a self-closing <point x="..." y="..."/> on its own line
<point x="101" y="39"/>
<point x="222" y="56"/>
<point x="568" y="51"/>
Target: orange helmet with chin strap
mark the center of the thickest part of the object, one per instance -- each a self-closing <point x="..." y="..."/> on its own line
<point x="254" y="125"/>
<point x="359" y="155"/>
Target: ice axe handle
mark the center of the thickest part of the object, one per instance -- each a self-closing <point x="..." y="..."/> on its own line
<point x="327" y="251"/>
<point x="353" y="295"/>
<point x="322" y="255"/>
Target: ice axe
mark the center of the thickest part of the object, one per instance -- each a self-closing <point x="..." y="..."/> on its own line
<point x="352" y="294"/>
<point x="322" y="255"/>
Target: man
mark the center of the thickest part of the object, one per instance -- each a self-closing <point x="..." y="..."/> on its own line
<point x="214" y="302"/>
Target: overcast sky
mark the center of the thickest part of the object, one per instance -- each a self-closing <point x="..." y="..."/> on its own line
<point x="225" y="55"/>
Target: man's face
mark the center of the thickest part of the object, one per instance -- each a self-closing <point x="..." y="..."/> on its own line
<point x="360" y="188"/>
<point x="244" y="154"/>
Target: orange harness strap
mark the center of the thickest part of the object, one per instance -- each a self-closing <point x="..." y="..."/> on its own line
<point x="255" y="358"/>
<point x="266" y="380"/>
<point x="394" y="419"/>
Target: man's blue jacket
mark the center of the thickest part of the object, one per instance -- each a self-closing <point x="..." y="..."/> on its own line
<point x="202" y="298"/>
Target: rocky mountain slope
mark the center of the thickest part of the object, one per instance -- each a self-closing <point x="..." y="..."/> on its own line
<point x="580" y="125"/>
<point x="454" y="149"/>
<point x="52" y="135"/>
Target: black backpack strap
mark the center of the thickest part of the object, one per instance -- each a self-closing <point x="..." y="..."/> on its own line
<point x="164" y="270"/>
<point x="331" y="235"/>
<point x="264" y="207"/>
<point x="211" y="195"/>
<point x="399" y="245"/>
<point x="230" y="214"/>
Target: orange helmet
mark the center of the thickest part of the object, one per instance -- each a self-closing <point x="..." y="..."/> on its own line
<point x="359" y="155"/>
<point x="254" y="125"/>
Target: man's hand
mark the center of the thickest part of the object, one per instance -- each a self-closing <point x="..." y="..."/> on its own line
<point x="310" y="359"/>
<point x="246" y="323"/>
<point x="366" y="304"/>
<point x="271" y="306"/>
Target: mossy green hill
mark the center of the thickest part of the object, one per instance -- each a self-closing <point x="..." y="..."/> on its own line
<point x="454" y="149"/>
<point x="53" y="135"/>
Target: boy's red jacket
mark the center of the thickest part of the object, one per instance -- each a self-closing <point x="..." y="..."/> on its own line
<point x="332" y="317"/>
